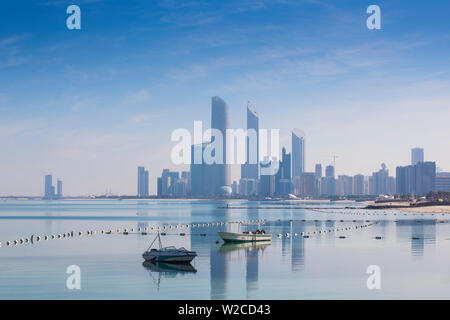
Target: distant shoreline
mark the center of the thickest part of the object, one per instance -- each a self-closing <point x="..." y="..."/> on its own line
<point x="407" y="206"/>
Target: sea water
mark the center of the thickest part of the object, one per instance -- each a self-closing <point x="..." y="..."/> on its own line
<point x="411" y="251"/>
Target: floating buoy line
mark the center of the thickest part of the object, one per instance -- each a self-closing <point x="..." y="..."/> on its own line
<point x="125" y="231"/>
<point x="164" y="228"/>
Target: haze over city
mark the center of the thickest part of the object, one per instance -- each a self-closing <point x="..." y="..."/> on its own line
<point x="91" y="106"/>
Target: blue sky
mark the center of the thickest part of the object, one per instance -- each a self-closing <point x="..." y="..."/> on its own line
<point x="91" y="105"/>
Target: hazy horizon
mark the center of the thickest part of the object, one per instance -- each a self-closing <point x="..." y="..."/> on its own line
<point x="91" y="105"/>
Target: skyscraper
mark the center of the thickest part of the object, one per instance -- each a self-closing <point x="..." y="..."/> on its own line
<point x="221" y="173"/>
<point x="201" y="173"/>
<point x="318" y="171"/>
<point x="417" y="155"/>
<point x="142" y="182"/>
<point x="330" y="181"/>
<point x="298" y="152"/>
<point x="250" y="169"/>
<point x="59" y="188"/>
<point x="358" y="185"/>
<point x="416" y="179"/>
<point x="49" y="190"/>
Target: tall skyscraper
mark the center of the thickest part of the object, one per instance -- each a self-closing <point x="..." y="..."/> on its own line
<point x="49" y="190"/>
<point x="318" y="171"/>
<point x="250" y="169"/>
<point x="59" y="188"/>
<point x="417" y="155"/>
<point x="416" y="179"/>
<point x="358" y="185"/>
<point x="221" y="175"/>
<point x="298" y="152"/>
<point x="267" y="182"/>
<point x="201" y="173"/>
<point x="142" y="182"/>
<point x="330" y="181"/>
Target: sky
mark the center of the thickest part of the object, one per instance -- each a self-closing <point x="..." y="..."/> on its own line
<point x="91" y="105"/>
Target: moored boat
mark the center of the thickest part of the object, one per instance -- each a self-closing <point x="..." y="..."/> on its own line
<point x="168" y="254"/>
<point x="245" y="236"/>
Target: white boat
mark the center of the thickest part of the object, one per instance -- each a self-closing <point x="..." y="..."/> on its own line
<point x="168" y="254"/>
<point x="244" y="236"/>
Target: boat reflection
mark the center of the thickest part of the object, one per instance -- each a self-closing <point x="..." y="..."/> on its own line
<point x="169" y="269"/>
<point x="166" y="270"/>
<point x="229" y="246"/>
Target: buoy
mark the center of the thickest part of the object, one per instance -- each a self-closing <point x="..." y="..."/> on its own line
<point x="53" y="236"/>
<point x="287" y="235"/>
<point x="16" y="242"/>
<point x="38" y="238"/>
<point x="21" y="241"/>
<point x="80" y="233"/>
<point x="8" y="243"/>
<point x="295" y="234"/>
<point x="46" y="238"/>
<point x="280" y="235"/>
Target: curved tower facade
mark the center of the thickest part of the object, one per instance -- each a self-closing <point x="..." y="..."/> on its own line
<point x="298" y="152"/>
<point x="220" y="120"/>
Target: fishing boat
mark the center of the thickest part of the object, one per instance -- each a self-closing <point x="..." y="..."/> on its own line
<point x="245" y="236"/>
<point x="168" y="254"/>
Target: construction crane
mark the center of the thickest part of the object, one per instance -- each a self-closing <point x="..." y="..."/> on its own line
<point x="333" y="157"/>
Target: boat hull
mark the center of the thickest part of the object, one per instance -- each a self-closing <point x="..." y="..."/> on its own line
<point x="172" y="258"/>
<point x="243" y="237"/>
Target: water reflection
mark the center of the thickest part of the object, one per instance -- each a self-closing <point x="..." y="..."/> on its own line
<point x="419" y="233"/>
<point x="166" y="270"/>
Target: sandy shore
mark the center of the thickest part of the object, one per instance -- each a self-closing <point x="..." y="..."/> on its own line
<point x="430" y="209"/>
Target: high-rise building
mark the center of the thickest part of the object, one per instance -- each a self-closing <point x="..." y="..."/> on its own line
<point x="221" y="173"/>
<point x="425" y="177"/>
<point x="142" y="182"/>
<point x="344" y="185"/>
<point x="49" y="190"/>
<point x="358" y="185"/>
<point x="267" y="182"/>
<point x="416" y="179"/>
<point x="306" y="185"/>
<point x="283" y="176"/>
<point x="380" y="180"/>
<point x="59" y="188"/>
<point x="298" y="152"/>
<point x="250" y="169"/>
<point x="318" y="170"/>
<point x="442" y="182"/>
<point x="201" y="172"/>
<point x="417" y="155"/>
<point x="330" y="181"/>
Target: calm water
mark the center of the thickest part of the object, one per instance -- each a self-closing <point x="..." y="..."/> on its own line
<point x="413" y="253"/>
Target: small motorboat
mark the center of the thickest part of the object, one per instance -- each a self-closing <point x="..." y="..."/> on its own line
<point x="168" y="254"/>
<point x="258" y="235"/>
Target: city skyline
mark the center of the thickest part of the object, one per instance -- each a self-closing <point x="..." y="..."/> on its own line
<point x="95" y="104"/>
